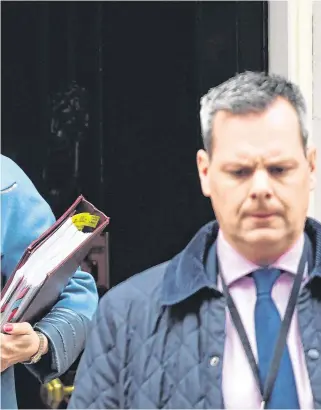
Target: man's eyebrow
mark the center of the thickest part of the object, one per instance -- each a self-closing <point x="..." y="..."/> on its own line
<point x="236" y="164"/>
<point x="249" y="163"/>
<point x="282" y="160"/>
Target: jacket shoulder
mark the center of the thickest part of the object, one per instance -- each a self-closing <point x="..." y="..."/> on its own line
<point x="142" y="289"/>
<point x="12" y="174"/>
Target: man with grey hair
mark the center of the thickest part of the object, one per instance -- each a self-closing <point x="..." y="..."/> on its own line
<point x="234" y="320"/>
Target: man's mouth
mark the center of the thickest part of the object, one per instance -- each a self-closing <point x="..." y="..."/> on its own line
<point x="262" y="215"/>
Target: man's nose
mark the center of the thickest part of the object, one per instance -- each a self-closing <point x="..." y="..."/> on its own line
<point x="261" y="185"/>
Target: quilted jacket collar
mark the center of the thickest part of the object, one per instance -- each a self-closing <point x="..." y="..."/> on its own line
<point x="186" y="273"/>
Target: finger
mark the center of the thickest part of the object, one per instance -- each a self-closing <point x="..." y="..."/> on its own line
<point x="18" y="328"/>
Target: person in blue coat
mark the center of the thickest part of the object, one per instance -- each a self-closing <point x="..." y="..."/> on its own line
<point x="50" y="347"/>
<point x="234" y="320"/>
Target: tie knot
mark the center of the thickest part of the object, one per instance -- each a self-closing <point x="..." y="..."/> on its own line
<point x="264" y="279"/>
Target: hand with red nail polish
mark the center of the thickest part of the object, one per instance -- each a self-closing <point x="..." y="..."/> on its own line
<point x="18" y="344"/>
<point x="8" y="327"/>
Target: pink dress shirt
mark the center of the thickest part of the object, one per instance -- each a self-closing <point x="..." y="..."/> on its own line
<point x="239" y="386"/>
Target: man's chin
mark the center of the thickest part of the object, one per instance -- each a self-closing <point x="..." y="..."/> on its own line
<point x="264" y="245"/>
<point x="263" y="236"/>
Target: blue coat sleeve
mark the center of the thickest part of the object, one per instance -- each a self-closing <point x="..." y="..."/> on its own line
<point x="24" y="216"/>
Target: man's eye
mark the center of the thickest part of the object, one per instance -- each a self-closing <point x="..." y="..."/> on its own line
<point x="277" y="170"/>
<point x="242" y="172"/>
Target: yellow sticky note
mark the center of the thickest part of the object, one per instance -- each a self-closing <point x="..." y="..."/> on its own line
<point x="85" y="219"/>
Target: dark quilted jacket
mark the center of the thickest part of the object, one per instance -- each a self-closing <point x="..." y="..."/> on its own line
<point x="154" y="335"/>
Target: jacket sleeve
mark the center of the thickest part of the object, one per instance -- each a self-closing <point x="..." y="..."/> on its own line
<point x="97" y="378"/>
<point x="25" y="215"/>
<point x="66" y="327"/>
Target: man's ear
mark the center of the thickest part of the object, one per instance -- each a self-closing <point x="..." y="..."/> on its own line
<point x="203" y="163"/>
<point x="312" y="160"/>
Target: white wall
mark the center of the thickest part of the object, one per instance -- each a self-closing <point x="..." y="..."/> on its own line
<point x="316" y="113"/>
<point x="278" y="37"/>
<point x="294" y="28"/>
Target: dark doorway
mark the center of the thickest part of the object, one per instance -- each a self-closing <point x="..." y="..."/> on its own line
<point x="140" y="69"/>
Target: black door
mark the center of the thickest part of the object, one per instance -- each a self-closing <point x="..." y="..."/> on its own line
<point x="138" y="70"/>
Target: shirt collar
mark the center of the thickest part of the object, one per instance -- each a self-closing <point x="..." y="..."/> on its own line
<point x="235" y="266"/>
<point x="194" y="268"/>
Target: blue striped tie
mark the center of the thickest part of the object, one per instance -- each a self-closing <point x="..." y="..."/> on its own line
<point x="267" y="328"/>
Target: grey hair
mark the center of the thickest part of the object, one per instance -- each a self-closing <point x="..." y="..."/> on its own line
<point x="250" y="92"/>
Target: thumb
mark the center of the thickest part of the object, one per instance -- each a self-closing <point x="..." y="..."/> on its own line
<point x="18" y="328"/>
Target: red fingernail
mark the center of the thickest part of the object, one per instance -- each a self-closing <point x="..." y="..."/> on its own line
<point x="7" y="328"/>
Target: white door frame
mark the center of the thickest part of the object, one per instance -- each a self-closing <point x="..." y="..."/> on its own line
<point x="291" y="38"/>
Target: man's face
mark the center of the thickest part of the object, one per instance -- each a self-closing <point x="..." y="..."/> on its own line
<point x="258" y="179"/>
